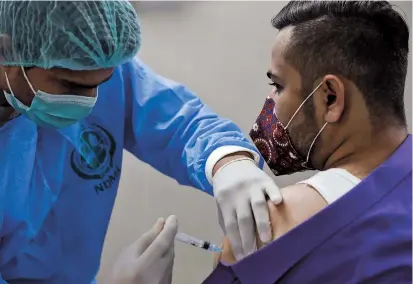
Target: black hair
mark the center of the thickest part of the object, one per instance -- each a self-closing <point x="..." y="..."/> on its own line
<point x="366" y="42"/>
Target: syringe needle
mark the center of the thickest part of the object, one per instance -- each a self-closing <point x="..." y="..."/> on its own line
<point x="187" y="239"/>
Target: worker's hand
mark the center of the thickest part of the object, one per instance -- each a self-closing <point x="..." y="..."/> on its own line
<point x="150" y="259"/>
<point x="240" y="188"/>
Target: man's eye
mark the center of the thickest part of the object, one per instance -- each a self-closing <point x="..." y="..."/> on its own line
<point x="278" y="88"/>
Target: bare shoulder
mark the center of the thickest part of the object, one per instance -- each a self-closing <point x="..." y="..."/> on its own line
<point x="300" y="202"/>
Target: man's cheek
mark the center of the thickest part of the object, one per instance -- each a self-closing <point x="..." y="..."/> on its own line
<point x="281" y="110"/>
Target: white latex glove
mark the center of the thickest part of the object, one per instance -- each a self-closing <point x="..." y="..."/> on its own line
<point x="240" y="188"/>
<point x="150" y="259"/>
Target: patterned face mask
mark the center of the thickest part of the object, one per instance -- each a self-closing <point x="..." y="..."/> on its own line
<point x="273" y="141"/>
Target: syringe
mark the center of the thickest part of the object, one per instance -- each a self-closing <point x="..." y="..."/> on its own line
<point x="184" y="238"/>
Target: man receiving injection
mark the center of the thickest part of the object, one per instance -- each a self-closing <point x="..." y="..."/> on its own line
<point x="351" y="222"/>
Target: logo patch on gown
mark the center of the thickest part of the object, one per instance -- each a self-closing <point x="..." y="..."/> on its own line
<point x="95" y="159"/>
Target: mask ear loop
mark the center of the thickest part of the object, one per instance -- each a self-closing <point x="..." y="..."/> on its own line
<point x="298" y="109"/>
<point x="28" y="81"/>
<point x="8" y="83"/>
<point x="312" y="144"/>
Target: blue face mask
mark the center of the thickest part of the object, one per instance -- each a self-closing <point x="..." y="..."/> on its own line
<point x="53" y="111"/>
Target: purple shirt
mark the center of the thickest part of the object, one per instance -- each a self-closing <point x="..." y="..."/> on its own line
<point x="364" y="237"/>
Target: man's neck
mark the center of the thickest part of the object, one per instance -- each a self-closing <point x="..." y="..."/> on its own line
<point x="361" y="157"/>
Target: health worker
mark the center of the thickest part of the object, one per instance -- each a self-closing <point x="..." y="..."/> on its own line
<point x="74" y="96"/>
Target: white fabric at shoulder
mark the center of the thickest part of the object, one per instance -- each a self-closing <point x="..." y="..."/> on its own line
<point x="332" y="184"/>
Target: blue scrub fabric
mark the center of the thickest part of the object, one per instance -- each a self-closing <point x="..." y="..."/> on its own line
<point x="57" y="188"/>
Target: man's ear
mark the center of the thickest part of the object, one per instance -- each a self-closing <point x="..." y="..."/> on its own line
<point x="334" y="98"/>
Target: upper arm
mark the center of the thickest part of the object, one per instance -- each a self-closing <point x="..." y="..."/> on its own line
<point x="300" y="202"/>
<point x="170" y="128"/>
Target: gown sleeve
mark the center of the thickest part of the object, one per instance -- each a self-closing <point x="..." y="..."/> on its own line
<point x="169" y="128"/>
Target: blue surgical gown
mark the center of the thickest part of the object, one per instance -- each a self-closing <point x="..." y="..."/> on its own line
<point x="57" y="188"/>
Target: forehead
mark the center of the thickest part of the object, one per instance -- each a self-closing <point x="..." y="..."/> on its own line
<point x="281" y="44"/>
<point x="87" y="77"/>
<point x="279" y="62"/>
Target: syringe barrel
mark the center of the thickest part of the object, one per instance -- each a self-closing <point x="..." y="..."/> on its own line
<point x="189" y="239"/>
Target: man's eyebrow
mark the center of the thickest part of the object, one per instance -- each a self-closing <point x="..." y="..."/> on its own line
<point x="84" y="86"/>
